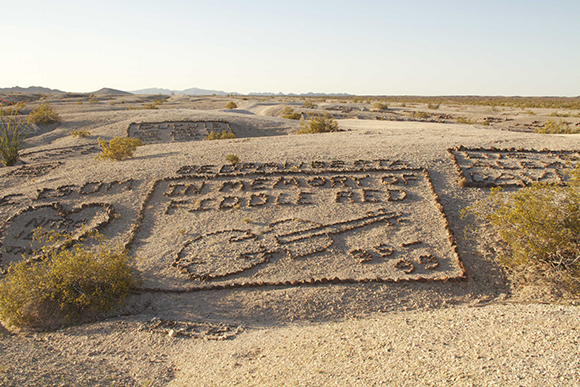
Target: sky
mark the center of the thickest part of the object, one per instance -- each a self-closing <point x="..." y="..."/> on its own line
<point x="364" y="47"/>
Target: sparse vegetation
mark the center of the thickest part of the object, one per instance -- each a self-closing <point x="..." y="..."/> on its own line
<point x="13" y="133"/>
<point x="80" y="133"/>
<point x="61" y="280"/>
<point x="231" y="105"/>
<point x="538" y="225"/>
<point x="309" y="104"/>
<point x="290" y="114"/>
<point x="319" y="124"/>
<point x="464" y="120"/>
<point x="380" y="106"/>
<point x="433" y="106"/>
<point x="154" y="104"/>
<point x="44" y="114"/>
<point x="119" y="148"/>
<point x="224" y="135"/>
<point x="421" y="114"/>
<point x="553" y="127"/>
<point x="232" y="159"/>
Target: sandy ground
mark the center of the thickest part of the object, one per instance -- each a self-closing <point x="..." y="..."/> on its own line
<point x="378" y="325"/>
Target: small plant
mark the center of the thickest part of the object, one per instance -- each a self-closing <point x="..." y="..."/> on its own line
<point x="319" y="124"/>
<point x="464" y="120"/>
<point x="13" y="132"/>
<point x="231" y="105"/>
<point x="81" y="133"/>
<point x="246" y="220"/>
<point x="119" y="148"/>
<point x="79" y="103"/>
<point x="433" y="106"/>
<point x="232" y="159"/>
<point x="420" y="114"/>
<point x="380" y="106"/>
<point x="62" y="280"/>
<point x="553" y="127"/>
<point x="224" y="135"/>
<point x="290" y="114"/>
<point x="43" y="114"/>
<point x="154" y="104"/>
<point x="309" y="104"/>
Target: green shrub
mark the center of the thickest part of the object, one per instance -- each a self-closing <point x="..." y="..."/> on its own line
<point x="539" y="224"/>
<point x="231" y="105"/>
<point x="119" y="148"/>
<point x="224" y="135"/>
<point x="232" y="158"/>
<point x="43" y="114"/>
<point x="82" y="133"/>
<point x="319" y="124"/>
<point x="13" y="132"/>
<point x="380" y="106"/>
<point x="290" y="114"/>
<point x="56" y="283"/>
<point x="553" y="127"/>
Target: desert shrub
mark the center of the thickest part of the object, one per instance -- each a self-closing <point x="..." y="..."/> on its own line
<point x="231" y="105"/>
<point x="433" y="106"/>
<point x="79" y="102"/>
<point x="553" y="127"/>
<point x="464" y="120"/>
<point x="119" y="148"/>
<point x="319" y="124"/>
<point x="43" y="114"/>
<point x="309" y="104"/>
<point x="232" y="159"/>
<point x="154" y="104"/>
<point x="421" y="114"/>
<point x="81" y="133"/>
<point x="61" y="280"/>
<point x="538" y="225"/>
<point x="224" y="135"/>
<point x="13" y="132"/>
<point x="290" y="114"/>
<point x="380" y="106"/>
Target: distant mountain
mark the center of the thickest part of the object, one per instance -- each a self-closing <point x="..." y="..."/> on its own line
<point x="107" y="90"/>
<point x="310" y="94"/>
<point x="191" y="91"/>
<point x="30" y="89"/>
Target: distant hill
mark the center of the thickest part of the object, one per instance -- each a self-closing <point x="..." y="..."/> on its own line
<point x="30" y="89"/>
<point x="191" y="91"/>
<point x="107" y="90"/>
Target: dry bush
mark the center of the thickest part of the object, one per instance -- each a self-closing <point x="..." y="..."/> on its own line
<point x="537" y="226"/>
<point x="60" y="281"/>
<point x="380" y="106"/>
<point x="290" y="114"/>
<point x="119" y="148"/>
<point x="81" y="133"/>
<point x="464" y="120"/>
<point x="224" y="135"/>
<point x="553" y="127"/>
<point x="319" y="124"/>
<point x="13" y="132"/>
<point x="43" y="114"/>
<point x="232" y="159"/>
<point x="231" y="105"/>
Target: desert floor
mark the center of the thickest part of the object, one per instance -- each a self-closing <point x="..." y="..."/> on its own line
<point x="319" y="259"/>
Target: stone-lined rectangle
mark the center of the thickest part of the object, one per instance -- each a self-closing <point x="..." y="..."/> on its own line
<point x="292" y="228"/>
<point x="479" y="167"/>
<point x="152" y="132"/>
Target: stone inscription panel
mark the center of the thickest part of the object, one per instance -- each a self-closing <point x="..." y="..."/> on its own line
<point x="294" y="228"/>
<point x="176" y="131"/>
<point x="510" y="167"/>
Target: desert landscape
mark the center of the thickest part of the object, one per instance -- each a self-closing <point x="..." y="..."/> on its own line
<point x="271" y="258"/>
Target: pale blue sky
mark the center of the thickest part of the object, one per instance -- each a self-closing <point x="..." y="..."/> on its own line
<point x="445" y="47"/>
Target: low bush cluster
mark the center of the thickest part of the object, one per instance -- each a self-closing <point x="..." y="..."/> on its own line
<point x="80" y="133"/>
<point x="319" y="124"/>
<point x="224" y="135"/>
<point x="43" y="114"/>
<point x="538" y="225"/>
<point x="119" y="148"/>
<point x="380" y="106"/>
<point x="290" y="114"/>
<point x="231" y="105"/>
<point x="560" y="127"/>
<point x="61" y="280"/>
